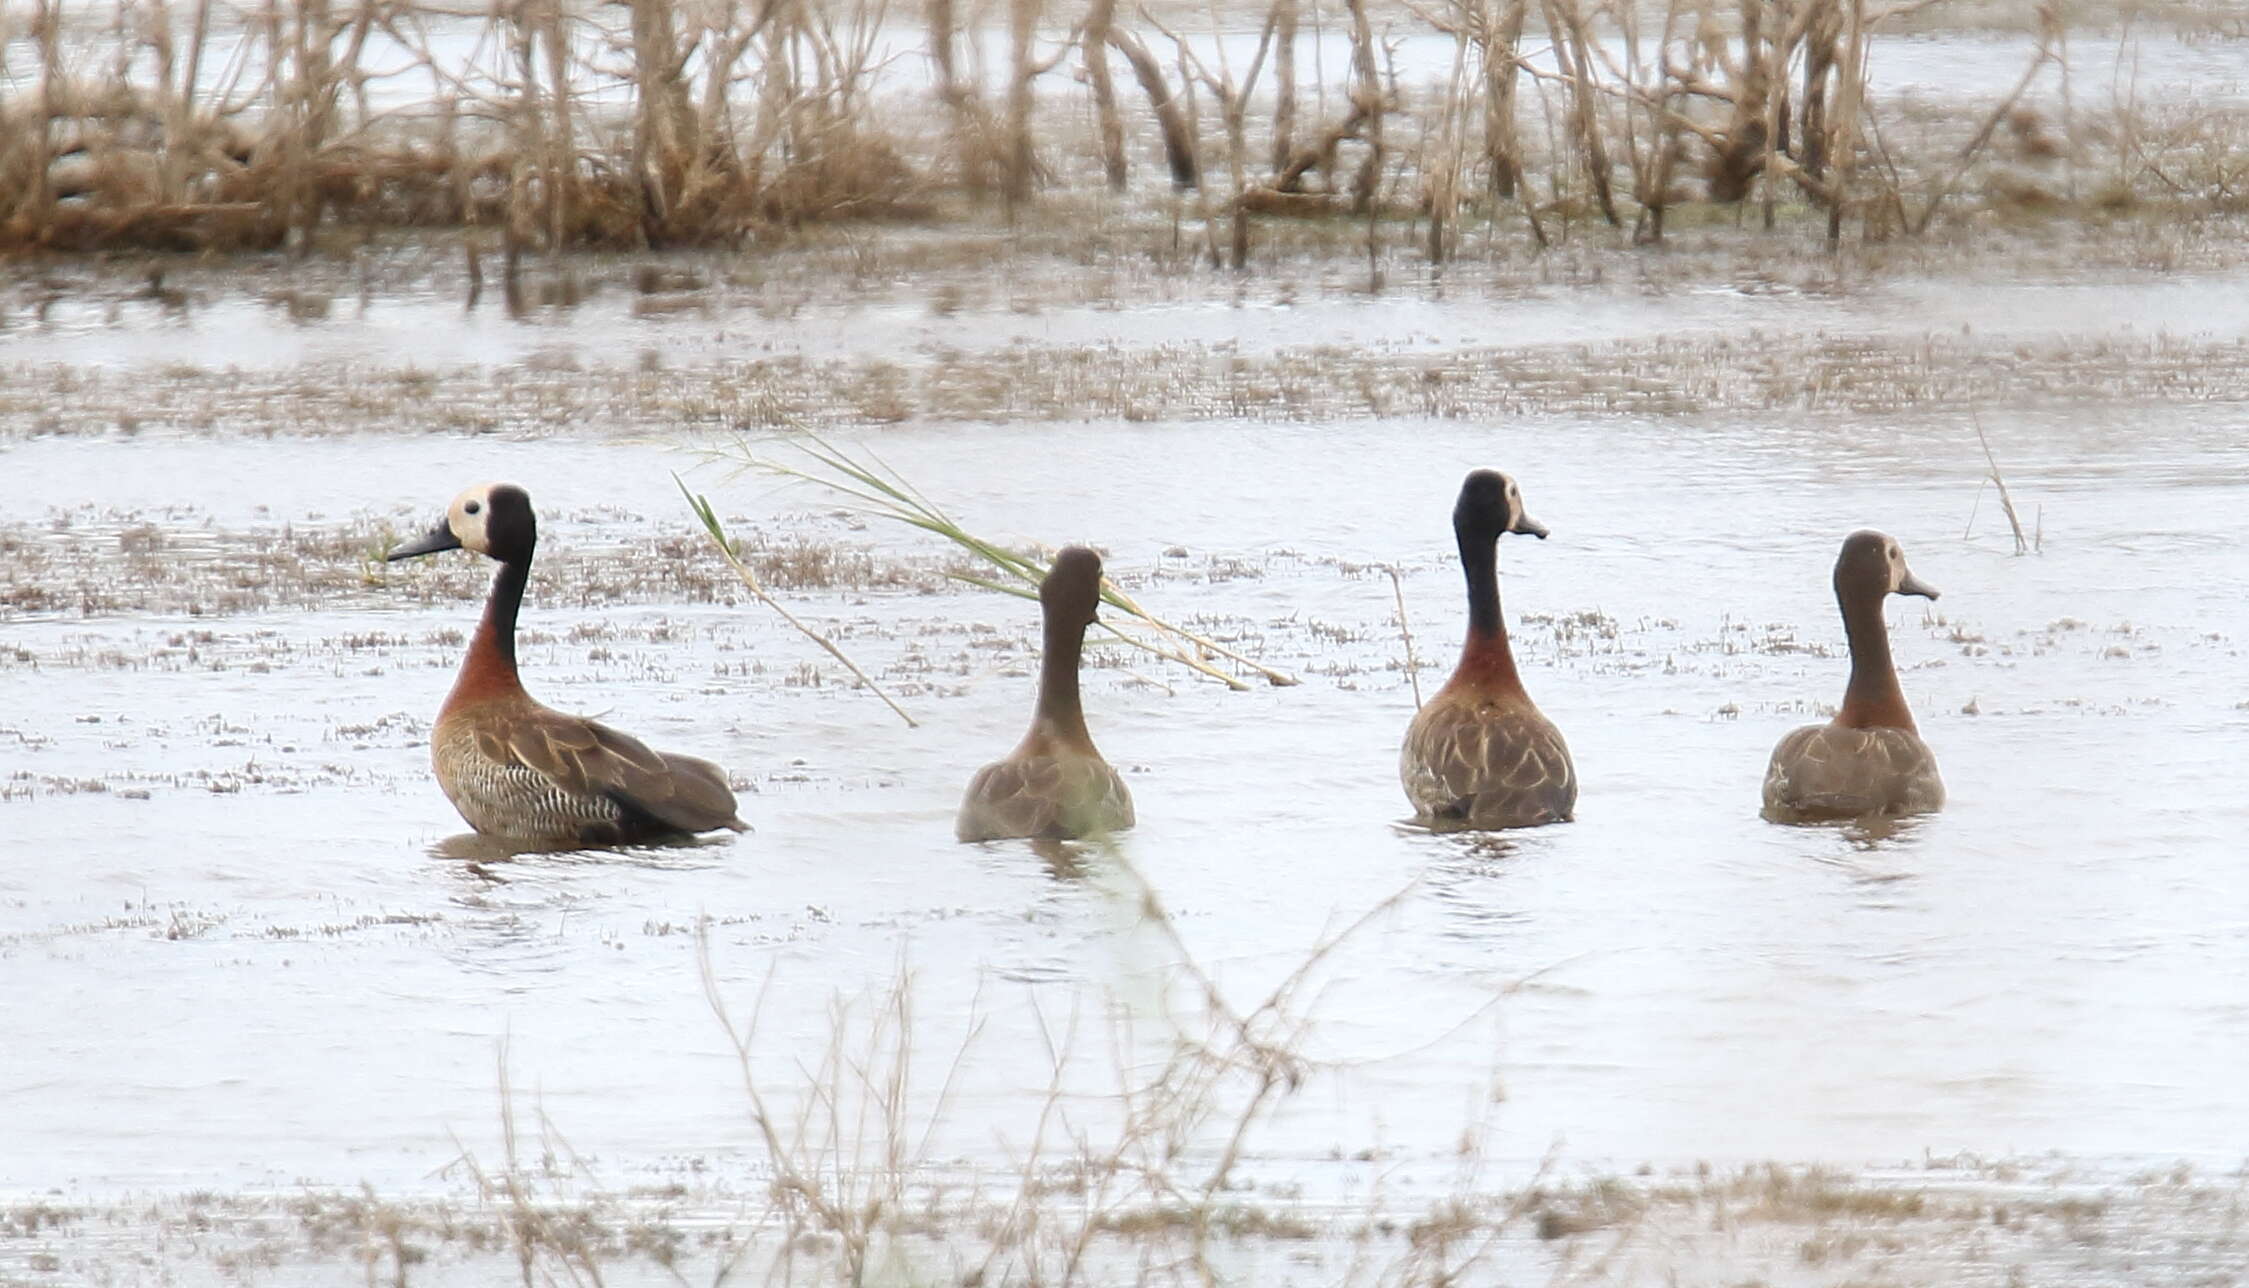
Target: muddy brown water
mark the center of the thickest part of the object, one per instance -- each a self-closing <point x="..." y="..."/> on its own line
<point x="245" y="944"/>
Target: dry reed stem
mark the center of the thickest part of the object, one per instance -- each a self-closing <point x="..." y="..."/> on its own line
<point x="885" y="494"/>
<point x="1023" y="18"/>
<point x="1842" y="141"/>
<point x="1100" y="21"/>
<point x="749" y="578"/>
<point x="848" y="1140"/>
<point x="1369" y="102"/>
<point x="532" y="1229"/>
<point x="1976" y="144"/>
<point x="1405" y="630"/>
<point x="1171" y="123"/>
<point x="1565" y="22"/>
<point x="1282" y="22"/>
<point x="855" y="1111"/>
<point x="2006" y="502"/>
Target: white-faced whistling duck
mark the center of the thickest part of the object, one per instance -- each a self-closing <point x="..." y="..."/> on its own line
<point x="527" y="773"/>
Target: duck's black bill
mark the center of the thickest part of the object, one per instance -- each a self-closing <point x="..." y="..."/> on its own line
<point x="439" y="538"/>
<point x="1529" y="527"/>
<point x="1913" y="585"/>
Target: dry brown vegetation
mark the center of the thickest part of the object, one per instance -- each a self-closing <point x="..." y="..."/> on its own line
<point x="542" y="1217"/>
<point x="194" y="124"/>
<point x="89" y="563"/>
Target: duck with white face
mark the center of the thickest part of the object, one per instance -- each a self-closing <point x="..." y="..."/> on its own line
<point x="524" y="772"/>
<point x="1481" y="754"/>
<point x="1870" y="758"/>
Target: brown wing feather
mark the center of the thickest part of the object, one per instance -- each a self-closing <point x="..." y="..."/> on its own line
<point x="501" y="795"/>
<point x="1010" y="798"/>
<point x="555" y="745"/>
<point x="1832" y="771"/>
<point x="586" y="759"/>
<point x="1478" y="764"/>
<point x="1058" y="796"/>
<point x="679" y="792"/>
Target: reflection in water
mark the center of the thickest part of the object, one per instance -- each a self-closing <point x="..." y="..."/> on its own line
<point x="476" y="847"/>
<point x="520" y="912"/>
<point x="218" y="315"/>
<point x="666" y="854"/>
<point x="173" y="301"/>
<point x="1879" y="832"/>
<point x="1471" y="882"/>
<point x="561" y="290"/>
<point x="302" y="306"/>
<point x="1060" y="857"/>
<point x="1482" y="848"/>
<point x="1868" y="832"/>
<point x="1882" y="859"/>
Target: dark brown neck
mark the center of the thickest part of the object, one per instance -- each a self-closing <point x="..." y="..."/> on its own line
<point x="489" y="669"/>
<point x="1873" y="700"/>
<point x="1059" y="715"/>
<point x="1486" y="661"/>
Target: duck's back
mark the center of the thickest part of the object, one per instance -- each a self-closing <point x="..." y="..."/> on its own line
<point x="524" y="771"/>
<point x="1836" y="771"/>
<point x="1059" y="794"/>
<point x="1487" y="764"/>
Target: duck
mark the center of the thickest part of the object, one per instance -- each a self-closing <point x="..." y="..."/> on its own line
<point x="1870" y="758"/>
<point x="1480" y="755"/>
<point x="521" y="771"/>
<point x="1055" y="785"/>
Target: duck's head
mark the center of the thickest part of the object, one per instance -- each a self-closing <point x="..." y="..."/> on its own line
<point x="493" y="519"/>
<point x="1871" y="566"/>
<point x="1072" y="589"/>
<point x="1489" y="505"/>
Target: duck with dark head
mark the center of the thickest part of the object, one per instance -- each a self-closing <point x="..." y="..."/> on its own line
<point x="1869" y="759"/>
<point x="1480" y="754"/>
<point x="1055" y="783"/>
<point x="524" y="772"/>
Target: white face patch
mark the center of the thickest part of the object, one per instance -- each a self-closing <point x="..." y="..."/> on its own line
<point x="466" y="518"/>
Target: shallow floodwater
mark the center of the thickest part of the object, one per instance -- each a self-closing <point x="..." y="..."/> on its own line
<point x="591" y="317"/>
<point x="244" y="945"/>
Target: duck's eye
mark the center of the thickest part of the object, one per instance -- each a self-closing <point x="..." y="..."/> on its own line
<point x="472" y="507"/>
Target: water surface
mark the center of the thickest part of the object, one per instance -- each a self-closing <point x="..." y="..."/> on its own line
<point x="242" y="950"/>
